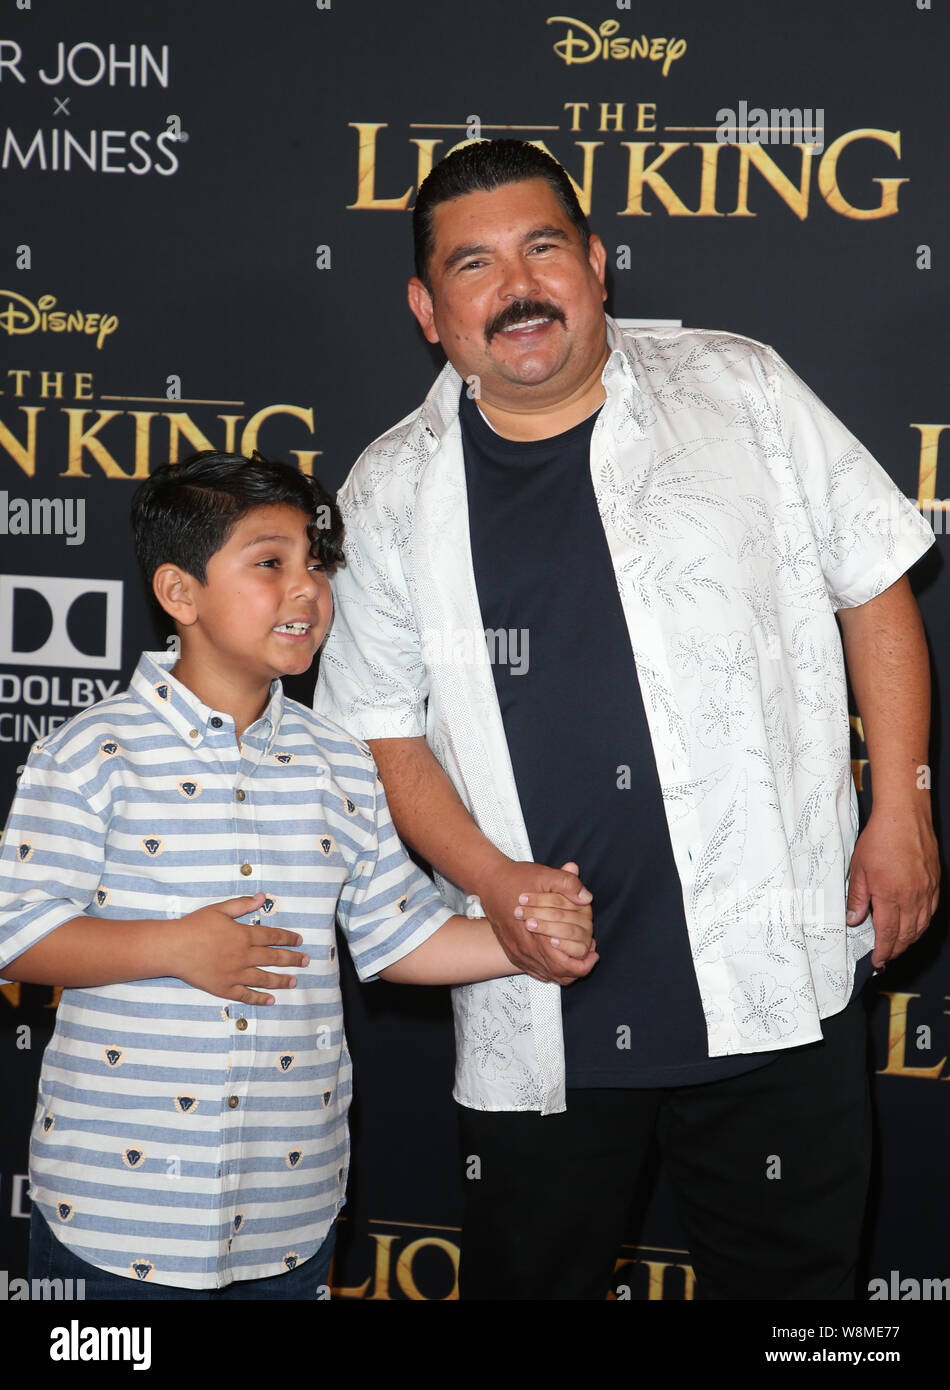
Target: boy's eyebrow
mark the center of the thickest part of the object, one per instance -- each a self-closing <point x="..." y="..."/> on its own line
<point x="461" y="253"/>
<point x="258" y="540"/>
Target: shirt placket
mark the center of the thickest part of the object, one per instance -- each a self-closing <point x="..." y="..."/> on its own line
<point x="240" y="762"/>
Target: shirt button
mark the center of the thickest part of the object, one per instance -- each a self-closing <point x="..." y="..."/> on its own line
<point x="246" y="869"/>
<point x="192" y="733"/>
<point x="241" y="1023"/>
<point x="216" y="722"/>
<point x="233" y="1102"/>
<point x="239" y="795"/>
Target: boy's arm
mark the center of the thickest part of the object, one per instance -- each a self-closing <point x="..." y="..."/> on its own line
<point x="52" y="858"/>
<point x="208" y="949"/>
<point x="462" y="952"/>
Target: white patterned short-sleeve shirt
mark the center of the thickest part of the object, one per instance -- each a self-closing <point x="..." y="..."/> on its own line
<point x="180" y="1138"/>
<point x="740" y="514"/>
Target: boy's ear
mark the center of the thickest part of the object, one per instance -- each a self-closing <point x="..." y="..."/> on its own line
<point x="174" y="589"/>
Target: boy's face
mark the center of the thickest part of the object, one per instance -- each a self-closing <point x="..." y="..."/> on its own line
<point x="265" y="605"/>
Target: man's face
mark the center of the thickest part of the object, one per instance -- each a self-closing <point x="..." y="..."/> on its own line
<point x="515" y="299"/>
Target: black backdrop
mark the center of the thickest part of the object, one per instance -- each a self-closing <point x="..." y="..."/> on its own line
<point x="232" y="274"/>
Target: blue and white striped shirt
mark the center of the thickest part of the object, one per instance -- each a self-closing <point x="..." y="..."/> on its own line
<point x="180" y="1137"/>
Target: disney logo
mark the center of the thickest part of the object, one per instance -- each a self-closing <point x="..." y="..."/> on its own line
<point x="20" y="315"/>
<point x="587" y="44"/>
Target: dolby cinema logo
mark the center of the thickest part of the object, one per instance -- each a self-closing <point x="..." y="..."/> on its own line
<point x="47" y="621"/>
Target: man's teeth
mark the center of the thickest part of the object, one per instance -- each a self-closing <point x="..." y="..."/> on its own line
<point x="526" y="323"/>
<point x="298" y="629"/>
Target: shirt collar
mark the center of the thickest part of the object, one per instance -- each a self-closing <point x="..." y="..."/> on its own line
<point x="180" y="707"/>
<point x="440" y="407"/>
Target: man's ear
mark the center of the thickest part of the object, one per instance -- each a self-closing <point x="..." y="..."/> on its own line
<point x="420" y="302"/>
<point x="597" y="256"/>
<point x="173" y="587"/>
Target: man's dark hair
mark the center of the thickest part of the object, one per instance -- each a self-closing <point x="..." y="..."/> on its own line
<point x="481" y="168"/>
<point x="186" y="511"/>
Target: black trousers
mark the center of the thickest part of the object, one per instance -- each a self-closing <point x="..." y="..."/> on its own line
<point x="769" y="1170"/>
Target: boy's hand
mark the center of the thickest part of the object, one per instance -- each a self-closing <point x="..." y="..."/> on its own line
<point x="215" y="952"/>
<point x="562" y="921"/>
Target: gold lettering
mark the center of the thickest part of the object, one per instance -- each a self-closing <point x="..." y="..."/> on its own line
<point x="366" y="171"/>
<point x="607" y="115"/>
<point x="584" y="191"/>
<point x="897" y="1041"/>
<point x="83" y="387"/>
<point x="11" y="992"/>
<point x="180" y="423"/>
<point x="381" y="1271"/>
<point x="857" y="772"/>
<point x="828" y="176"/>
<point x="646" y="122"/>
<point x="19" y="374"/>
<point x="143" y="419"/>
<point x="22" y="454"/>
<point x="231" y="423"/>
<point x="577" y="107"/>
<point x="81" y="439"/>
<point x="404" y="1276"/>
<point x="640" y="175"/>
<point x="927" y="485"/>
<point x="51" y="381"/>
<point x="426" y="159"/>
<point x="249" y="437"/>
<point x="795" y="198"/>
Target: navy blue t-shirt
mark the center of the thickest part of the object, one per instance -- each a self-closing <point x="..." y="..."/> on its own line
<point x="582" y="756"/>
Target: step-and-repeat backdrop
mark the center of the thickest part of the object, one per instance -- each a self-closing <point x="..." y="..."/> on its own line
<point x="205" y="242"/>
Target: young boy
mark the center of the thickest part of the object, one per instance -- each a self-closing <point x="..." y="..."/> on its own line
<point x="190" y="1138"/>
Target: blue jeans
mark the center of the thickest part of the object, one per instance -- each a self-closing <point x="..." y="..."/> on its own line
<point x="51" y="1259"/>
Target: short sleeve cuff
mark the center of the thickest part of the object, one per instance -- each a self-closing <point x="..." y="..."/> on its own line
<point x="908" y="550"/>
<point x="433" y="919"/>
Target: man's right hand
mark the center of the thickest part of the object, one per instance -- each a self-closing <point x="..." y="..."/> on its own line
<point x="531" y="952"/>
<point x="211" y="950"/>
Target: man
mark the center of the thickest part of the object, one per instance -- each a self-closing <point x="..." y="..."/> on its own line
<point x="588" y="614"/>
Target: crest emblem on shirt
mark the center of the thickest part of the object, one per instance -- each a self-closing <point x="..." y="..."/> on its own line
<point x="294" y="1157"/>
<point x="238" y="1221"/>
<point x="326" y="844"/>
<point x="326" y="1098"/>
<point x="185" y="1104"/>
<point x="269" y="904"/>
<point x="152" y="845"/>
<point x="286" y="1061"/>
<point x="112" y="1055"/>
<point x="190" y="789"/>
<point x="24" y="851"/>
<point x="65" y="1211"/>
<point x="48" y="1123"/>
<point x="109" y="748"/>
<point x="402" y="904"/>
<point x="102" y="897"/>
<point x="349" y="806"/>
<point x="142" y="1269"/>
<point x="162" y="691"/>
<point x="291" y="1260"/>
<point x="285" y="758"/>
<point x="332" y="953"/>
<point x="133" y="1158"/>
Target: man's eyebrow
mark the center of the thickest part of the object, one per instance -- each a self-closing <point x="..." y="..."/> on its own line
<point x="462" y="253"/>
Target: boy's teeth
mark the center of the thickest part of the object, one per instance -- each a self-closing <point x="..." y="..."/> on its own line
<point x="292" y="627"/>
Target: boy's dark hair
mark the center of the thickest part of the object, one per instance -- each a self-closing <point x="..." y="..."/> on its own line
<point x="184" y="512"/>
<point x="481" y="168"/>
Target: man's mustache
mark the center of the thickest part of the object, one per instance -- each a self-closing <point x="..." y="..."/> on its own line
<point x="520" y="310"/>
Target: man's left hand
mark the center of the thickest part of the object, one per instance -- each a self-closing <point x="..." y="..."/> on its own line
<point x="895" y="873"/>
